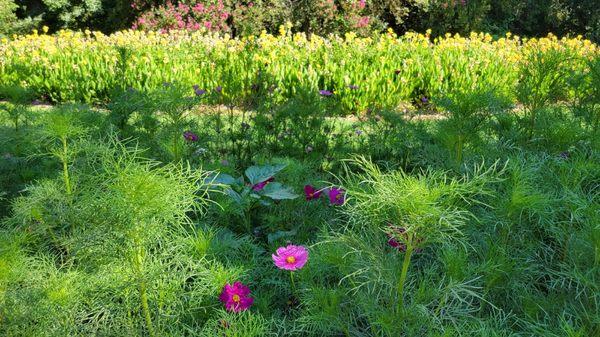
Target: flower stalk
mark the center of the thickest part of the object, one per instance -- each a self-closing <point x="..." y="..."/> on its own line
<point x="403" y="274"/>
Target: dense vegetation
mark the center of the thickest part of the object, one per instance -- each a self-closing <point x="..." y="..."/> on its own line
<point x="197" y="185"/>
<point x="526" y="18"/>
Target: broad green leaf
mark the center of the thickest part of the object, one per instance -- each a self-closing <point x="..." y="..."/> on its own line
<point x="257" y="174"/>
<point x="277" y="191"/>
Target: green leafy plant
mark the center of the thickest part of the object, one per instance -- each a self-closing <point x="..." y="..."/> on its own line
<point x="258" y="190"/>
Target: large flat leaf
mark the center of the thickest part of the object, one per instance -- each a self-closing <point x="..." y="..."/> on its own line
<point x="257" y="174"/>
<point x="234" y="195"/>
<point x="276" y="191"/>
<point x="220" y="178"/>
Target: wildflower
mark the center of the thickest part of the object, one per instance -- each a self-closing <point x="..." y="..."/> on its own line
<point x="290" y="257"/>
<point x="325" y="93"/>
<point x="235" y="297"/>
<point x="311" y="192"/>
<point x="424" y="99"/>
<point x="198" y="91"/>
<point x="190" y="136"/>
<point x="353" y="87"/>
<point x="336" y="196"/>
<point x="394" y="243"/>
<point x="218" y="89"/>
<point x="262" y="184"/>
<point x="564" y="155"/>
<point x="358" y="132"/>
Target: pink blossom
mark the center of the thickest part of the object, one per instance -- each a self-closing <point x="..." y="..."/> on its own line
<point x="290" y="257"/>
<point x="363" y="22"/>
<point x="336" y="196"/>
<point x="235" y="297"/>
<point x="311" y="192"/>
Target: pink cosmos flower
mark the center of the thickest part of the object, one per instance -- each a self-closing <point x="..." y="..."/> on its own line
<point x="399" y="232"/>
<point x="311" y="192"/>
<point x="190" y="136"/>
<point x="336" y="196"/>
<point x="262" y="184"/>
<point x="290" y="257"/>
<point x="235" y="297"/>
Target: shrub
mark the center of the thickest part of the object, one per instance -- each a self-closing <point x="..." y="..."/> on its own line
<point x="7" y="16"/>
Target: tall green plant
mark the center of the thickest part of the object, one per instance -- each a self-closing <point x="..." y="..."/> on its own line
<point x="416" y="211"/>
<point x="541" y="81"/>
<point x="467" y="111"/>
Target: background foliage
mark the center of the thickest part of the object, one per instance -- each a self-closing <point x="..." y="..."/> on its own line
<point x="527" y="18"/>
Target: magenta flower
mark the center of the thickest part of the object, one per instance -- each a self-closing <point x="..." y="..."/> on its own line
<point x="336" y="196"/>
<point x="325" y="93"/>
<point x="400" y="232"/>
<point x="290" y="257"/>
<point x="190" y="136"/>
<point x="235" y="297"/>
<point x="198" y="91"/>
<point x="262" y="184"/>
<point x="311" y="192"/>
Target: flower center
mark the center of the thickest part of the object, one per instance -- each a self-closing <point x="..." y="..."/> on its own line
<point x="290" y="259"/>
<point x="338" y="197"/>
<point x="236" y="298"/>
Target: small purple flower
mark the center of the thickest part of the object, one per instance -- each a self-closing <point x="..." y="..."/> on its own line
<point x="325" y="93"/>
<point x="190" y="136"/>
<point x="358" y="132"/>
<point x="353" y="87"/>
<point x="236" y="297"/>
<point x="336" y="196"/>
<point x="424" y="99"/>
<point x="198" y="91"/>
<point x="311" y="192"/>
<point x="219" y="89"/>
<point x="396" y="232"/>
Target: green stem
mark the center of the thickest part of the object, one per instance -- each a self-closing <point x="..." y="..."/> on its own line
<point x="66" y="166"/>
<point x="459" y="149"/>
<point x="532" y="122"/>
<point x="138" y="264"/>
<point x="175" y="147"/>
<point x="405" y="264"/>
<point x="293" y="284"/>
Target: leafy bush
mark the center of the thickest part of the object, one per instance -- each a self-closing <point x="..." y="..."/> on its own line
<point x="7" y="16"/>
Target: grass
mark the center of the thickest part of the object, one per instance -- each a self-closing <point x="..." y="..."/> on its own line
<point x="478" y="222"/>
